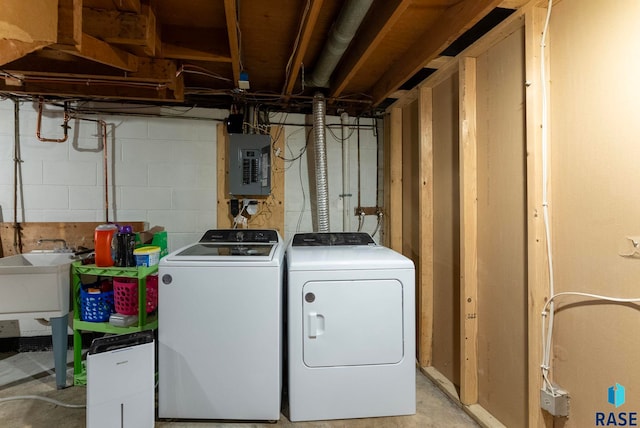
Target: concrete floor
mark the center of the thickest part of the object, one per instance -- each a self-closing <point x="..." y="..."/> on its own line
<point x="31" y="373"/>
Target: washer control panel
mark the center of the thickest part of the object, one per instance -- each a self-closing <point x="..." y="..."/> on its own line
<point x="240" y="235"/>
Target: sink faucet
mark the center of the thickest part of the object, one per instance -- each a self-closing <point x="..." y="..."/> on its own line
<point x="61" y="249"/>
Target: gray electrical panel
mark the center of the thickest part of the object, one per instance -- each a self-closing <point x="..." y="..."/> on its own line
<point x="249" y="164"/>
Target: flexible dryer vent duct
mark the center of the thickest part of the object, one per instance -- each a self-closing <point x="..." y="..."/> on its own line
<point x="322" y="187"/>
<point x="341" y="34"/>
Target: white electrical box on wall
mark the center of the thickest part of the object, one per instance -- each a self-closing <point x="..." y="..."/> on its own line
<point x="249" y="164"/>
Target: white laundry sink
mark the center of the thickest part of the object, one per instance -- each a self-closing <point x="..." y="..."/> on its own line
<point x="35" y="285"/>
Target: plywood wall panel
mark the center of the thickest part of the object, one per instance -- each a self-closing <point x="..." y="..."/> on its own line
<point x="594" y="104"/>
<point x="75" y="234"/>
<point x="502" y="256"/>
<point x="410" y="214"/>
<point x="446" y="230"/>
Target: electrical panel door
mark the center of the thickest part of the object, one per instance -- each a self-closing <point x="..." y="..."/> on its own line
<point x="249" y="164"/>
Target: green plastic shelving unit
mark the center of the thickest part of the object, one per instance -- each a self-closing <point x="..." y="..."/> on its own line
<point x="145" y="322"/>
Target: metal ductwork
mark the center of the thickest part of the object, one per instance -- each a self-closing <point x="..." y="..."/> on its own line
<point x="320" y="146"/>
<point x="340" y="36"/>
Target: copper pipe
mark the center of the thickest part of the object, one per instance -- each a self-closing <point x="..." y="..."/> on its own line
<point x="65" y="127"/>
<point x="103" y="130"/>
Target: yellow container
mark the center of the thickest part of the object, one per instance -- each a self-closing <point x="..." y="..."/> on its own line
<point x="147" y="256"/>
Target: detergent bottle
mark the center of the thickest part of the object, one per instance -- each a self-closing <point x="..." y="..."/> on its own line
<point x="104" y="244"/>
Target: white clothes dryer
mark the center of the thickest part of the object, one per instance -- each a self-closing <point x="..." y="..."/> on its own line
<point x="351" y="328"/>
<point x="220" y="327"/>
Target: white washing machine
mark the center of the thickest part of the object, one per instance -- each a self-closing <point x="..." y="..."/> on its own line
<point x="220" y="327"/>
<point x="351" y="328"/>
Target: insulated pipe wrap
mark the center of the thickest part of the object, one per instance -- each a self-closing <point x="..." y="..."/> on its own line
<point x="320" y="146"/>
<point x="340" y="36"/>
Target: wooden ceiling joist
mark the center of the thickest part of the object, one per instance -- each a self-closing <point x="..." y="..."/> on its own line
<point x="308" y="26"/>
<point x="453" y="22"/>
<point x="127" y="5"/>
<point x="194" y="44"/>
<point x="231" y="13"/>
<point x="69" y="22"/>
<point x="119" y="27"/>
<point x="96" y="50"/>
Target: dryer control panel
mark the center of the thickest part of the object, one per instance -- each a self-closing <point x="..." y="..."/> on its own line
<point x="331" y="239"/>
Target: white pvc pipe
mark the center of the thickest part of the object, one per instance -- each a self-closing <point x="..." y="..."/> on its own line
<point x="346" y="185"/>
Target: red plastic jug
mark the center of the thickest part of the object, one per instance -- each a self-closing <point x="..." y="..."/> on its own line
<point x="103" y="238"/>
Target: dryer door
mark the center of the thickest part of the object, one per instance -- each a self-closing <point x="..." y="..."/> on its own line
<point x="347" y="323"/>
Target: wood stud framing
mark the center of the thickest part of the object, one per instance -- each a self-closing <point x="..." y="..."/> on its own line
<point x="394" y="209"/>
<point x="425" y="226"/>
<point x="532" y="18"/>
<point x="538" y="279"/>
<point x="468" y="233"/>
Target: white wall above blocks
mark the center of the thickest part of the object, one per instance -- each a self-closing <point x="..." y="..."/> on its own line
<point x="162" y="170"/>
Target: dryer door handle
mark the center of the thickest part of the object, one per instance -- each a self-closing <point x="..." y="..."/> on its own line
<point x="315" y="323"/>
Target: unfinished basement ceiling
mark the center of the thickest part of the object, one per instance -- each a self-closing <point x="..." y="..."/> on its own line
<point x="196" y="51"/>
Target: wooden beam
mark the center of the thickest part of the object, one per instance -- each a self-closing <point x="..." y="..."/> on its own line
<point x="537" y="268"/>
<point x="439" y="62"/>
<point x="11" y="50"/>
<point x="468" y="234"/>
<point x="149" y="70"/>
<point x="118" y="27"/>
<point x="425" y="227"/>
<point x="127" y="5"/>
<point x="394" y="210"/>
<point x="107" y="89"/>
<point x="513" y="4"/>
<point x="453" y="22"/>
<point x="194" y="44"/>
<point x="370" y="36"/>
<point x="231" y="14"/>
<point x="96" y="50"/>
<point x="69" y="22"/>
<point x="151" y="37"/>
<point x="308" y="25"/>
<point x="22" y="32"/>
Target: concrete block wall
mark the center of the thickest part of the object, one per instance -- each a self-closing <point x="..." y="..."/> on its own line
<point x="298" y="215"/>
<point x="162" y="170"/>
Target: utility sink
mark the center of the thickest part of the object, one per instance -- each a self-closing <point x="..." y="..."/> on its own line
<point x="35" y="285"/>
